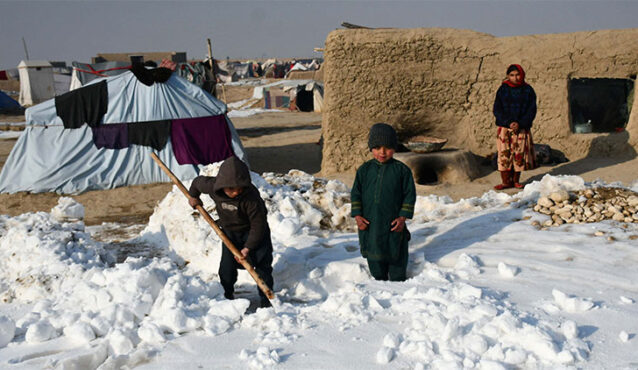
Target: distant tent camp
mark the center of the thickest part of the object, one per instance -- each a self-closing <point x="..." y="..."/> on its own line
<point x="36" y="82"/>
<point x="7" y="104"/>
<point x="303" y="95"/>
<point x="51" y="157"/>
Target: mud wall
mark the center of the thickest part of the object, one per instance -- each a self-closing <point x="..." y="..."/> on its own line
<point x="442" y="82"/>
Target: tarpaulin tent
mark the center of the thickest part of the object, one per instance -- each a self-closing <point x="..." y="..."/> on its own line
<point x="304" y="95"/>
<point x="83" y="73"/>
<point x="36" y="82"/>
<point x="49" y="157"/>
<point x="7" y="104"/>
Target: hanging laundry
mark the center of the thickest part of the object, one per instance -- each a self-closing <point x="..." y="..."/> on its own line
<point x="84" y="105"/>
<point x="111" y="136"/>
<point x="201" y="140"/>
<point x="150" y="76"/>
<point x="151" y="133"/>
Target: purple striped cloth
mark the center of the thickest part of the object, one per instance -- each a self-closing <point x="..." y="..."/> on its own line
<point x="202" y="140"/>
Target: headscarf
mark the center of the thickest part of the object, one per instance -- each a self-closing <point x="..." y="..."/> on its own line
<point x="520" y="72"/>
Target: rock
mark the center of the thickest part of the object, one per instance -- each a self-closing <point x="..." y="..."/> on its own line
<point x="537" y="208"/>
<point x="611" y="238"/>
<point x="599" y="233"/>
<point x="535" y="223"/>
<point x="589" y="193"/>
<point x="545" y="202"/>
<point x="629" y="219"/>
<point x="632" y="201"/>
<point x="547" y="223"/>
<point x="618" y="217"/>
<point x="545" y="211"/>
<point x="559" y="196"/>
<point x="613" y="209"/>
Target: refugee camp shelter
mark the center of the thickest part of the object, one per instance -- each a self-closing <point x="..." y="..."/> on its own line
<point x="8" y="104"/>
<point x="36" y="82"/>
<point x="186" y="126"/>
<point x="83" y="73"/>
<point x="140" y="56"/>
<point x="302" y="95"/>
<point x="442" y="82"/>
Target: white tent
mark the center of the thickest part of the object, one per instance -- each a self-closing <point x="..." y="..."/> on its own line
<point x="307" y="94"/>
<point x="36" y="82"/>
<point x="49" y="157"/>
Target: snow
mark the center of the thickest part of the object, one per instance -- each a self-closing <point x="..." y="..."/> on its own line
<point x="10" y="134"/>
<point x="486" y="288"/>
<point x="7" y="330"/>
<point x="250" y="112"/>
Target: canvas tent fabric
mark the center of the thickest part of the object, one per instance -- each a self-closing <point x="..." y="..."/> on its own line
<point x="49" y="158"/>
<point x="290" y="89"/>
<point x="7" y="104"/>
<point x="83" y="73"/>
<point x="36" y="82"/>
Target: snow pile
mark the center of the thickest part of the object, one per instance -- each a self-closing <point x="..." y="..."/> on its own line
<point x="39" y="256"/>
<point x="457" y="325"/>
<point x="80" y="295"/>
<point x="250" y="112"/>
<point x="68" y="209"/>
<point x="300" y="208"/>
<point x="7" y="330"/>
<point x="486" y="289"/>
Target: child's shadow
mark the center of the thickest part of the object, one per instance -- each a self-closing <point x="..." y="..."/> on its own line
<point x="466" y="233"/>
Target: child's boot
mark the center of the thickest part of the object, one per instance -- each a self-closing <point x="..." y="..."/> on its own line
<point x="506" y="180"/>
<point x="515" y="180"/>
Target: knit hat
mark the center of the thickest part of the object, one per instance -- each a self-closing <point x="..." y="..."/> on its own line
<point x="382" y="134"/>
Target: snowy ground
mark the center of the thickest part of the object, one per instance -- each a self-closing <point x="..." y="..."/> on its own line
<point x="487" y="289"/>
<point x="247" y="112"/>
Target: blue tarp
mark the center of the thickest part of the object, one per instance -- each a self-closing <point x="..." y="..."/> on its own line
<point x="7" y="103"/>
<point x="50" y="158"/>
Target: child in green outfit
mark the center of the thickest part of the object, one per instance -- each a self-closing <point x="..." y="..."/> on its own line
<point x="383" y="196"/>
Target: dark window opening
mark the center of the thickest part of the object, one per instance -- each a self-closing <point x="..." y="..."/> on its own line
<point x="426" y="176"/>
<point x="305" y="100"/>
<point x="599" y="104"/>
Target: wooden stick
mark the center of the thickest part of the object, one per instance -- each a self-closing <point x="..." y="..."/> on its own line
<point x="224" y="91"/>
<point x="229" y="244"/>
<point x="212" y="68"/>
<point x="210" y="57"/>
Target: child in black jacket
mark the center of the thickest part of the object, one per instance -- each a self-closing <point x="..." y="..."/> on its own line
<point x="242" y="217"/>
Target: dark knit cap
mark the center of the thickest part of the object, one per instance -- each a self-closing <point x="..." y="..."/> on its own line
<point x="382" y="134"/>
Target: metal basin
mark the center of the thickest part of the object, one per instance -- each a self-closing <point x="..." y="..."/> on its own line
<point x="424" y="144"/>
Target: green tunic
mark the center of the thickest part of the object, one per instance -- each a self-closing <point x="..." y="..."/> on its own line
<point x="381" y="193"/>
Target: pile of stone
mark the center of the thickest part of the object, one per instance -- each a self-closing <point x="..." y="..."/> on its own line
<point x="589" y="205"/>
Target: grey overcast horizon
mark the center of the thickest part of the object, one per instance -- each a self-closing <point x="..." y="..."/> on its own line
<point x="78" y="30"/>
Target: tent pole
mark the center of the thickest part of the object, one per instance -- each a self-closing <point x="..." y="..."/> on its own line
<point x="227" y="242"/>
<point x="26" y="52"/>
<point x="212" y="67"/>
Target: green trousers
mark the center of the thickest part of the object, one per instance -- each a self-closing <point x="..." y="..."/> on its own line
<point x="393" y="271"/>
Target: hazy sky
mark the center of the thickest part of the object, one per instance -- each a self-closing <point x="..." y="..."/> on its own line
<point x="77" y="30"/>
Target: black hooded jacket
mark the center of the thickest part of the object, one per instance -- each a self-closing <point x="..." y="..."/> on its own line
<point x="244" y="213"/>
